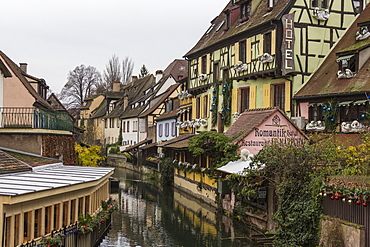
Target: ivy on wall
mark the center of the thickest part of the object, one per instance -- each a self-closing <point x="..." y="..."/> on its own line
<point x="214" y="108"/>
<point x="226" y="102"/>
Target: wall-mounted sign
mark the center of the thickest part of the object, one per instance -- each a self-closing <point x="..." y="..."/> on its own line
<point x="287" y="47"/>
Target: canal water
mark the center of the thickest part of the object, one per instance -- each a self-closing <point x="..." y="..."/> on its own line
<point x="168" y="218"/>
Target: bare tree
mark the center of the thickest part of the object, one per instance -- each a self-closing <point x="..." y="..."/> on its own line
<point x="111" y="74"/>
<point x="127" y="69"/>
<point x="82" y="83"/>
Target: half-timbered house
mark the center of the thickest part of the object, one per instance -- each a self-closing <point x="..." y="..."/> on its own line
<point x="258" y="53"/>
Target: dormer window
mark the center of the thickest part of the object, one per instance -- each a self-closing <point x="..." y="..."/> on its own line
<point x="346" y="66"/>
<point x="322" y="4"/>
<point x="245" y="11"/>
<point x="228" y="21"/>
<point x="270" y="4"/>
<point x="357" y="6"/>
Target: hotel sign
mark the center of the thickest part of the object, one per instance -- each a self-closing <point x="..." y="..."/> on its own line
<point x="287" y="47"/>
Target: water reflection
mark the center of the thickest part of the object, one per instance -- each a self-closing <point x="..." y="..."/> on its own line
<point x="149" y="217"/>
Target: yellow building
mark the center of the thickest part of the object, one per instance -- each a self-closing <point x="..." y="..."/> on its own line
<point x="34" y="200"/>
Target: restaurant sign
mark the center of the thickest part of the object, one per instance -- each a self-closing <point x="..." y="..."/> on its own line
<point x="287" y="47"/>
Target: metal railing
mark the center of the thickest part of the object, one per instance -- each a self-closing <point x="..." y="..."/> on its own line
<point x="72" y="237"/>
<point x="34" y="118"/>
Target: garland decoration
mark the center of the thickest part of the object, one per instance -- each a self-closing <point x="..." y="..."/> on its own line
<point x="227" y="100"/>
<point x="214" y="108"/>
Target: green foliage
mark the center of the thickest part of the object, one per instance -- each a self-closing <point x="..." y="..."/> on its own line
<point x="330" y="112"/>
<point x="227" y="101"/>
<point x="214" y="108"/>
<point x="88" y="156"/>
<point x="166" y="169"/>
<point x="114" y="149"/>
<point x="143" y="71"/>
<point x="214" y="145"/>
<point x="56" y="240"/>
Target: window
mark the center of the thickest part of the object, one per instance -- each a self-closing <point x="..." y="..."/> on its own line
<point x="173" y="129"/>
<point x="106" y="123"/>
<point x="245" y="94"/>
<point x="216" y="74"/>
<point x="323" y="4"/>
<point x="205" y="106"/>
<point x="169" y="105"/>
<point x="357" y="6"/>
<point x="245" y="11"/>
<point x="134" y="126"/>
<point x="123" y="126"/>
<point x="347" y="62"/>
<point x="228" y="22"/>
<point x="111" y="123"/>
<point x="167" y="129"/>
<point x="242" y="51"/>
<point x="198" y="107"/>
<point x="128" y="126"/>
<point x="279" y="95"/>
<point x="160" y="130"/>
<point x="270" y="4"/>
<point x="267" y="43"/>
<point x="204" y="65"/>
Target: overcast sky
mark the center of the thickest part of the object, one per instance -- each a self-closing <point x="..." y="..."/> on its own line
<point x="55" y="36"/>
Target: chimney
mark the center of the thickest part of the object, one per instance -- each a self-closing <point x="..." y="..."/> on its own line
<point x="158" y="75"/>
<point x="116" y="86"/>
<point x="23" y="67"/>
<point x="125" y="102"/>
<point x="133" y="78"/>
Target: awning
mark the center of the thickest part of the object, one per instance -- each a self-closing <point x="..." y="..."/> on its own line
<point x="237" y="167"/>
<point x="344" y="58"/>
<point x="360" y="102"/>
<point x="345" y="103"/>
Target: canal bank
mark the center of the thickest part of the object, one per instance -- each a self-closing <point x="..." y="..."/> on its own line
<point x="148" y="216"/>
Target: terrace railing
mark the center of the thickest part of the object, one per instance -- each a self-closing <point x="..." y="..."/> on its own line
<point x="34" y="118"/>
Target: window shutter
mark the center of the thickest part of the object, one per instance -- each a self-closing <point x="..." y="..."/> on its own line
<point x="261" y="44"/>
<point x="234" y="101"/>
<point x="266" y="95"/>
<point x="199" y="66"/>
<point x="194" y="108"/>
<point x="208" y="64"/>
<point x="252" y="97"/>
<point x="236" y="51"/>
<point x="273" y="42"/>
<point x="248" y="50"/>
<point x="287" y="96"/>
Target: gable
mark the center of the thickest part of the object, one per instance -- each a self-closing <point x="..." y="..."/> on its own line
<point x="275" y="127"/>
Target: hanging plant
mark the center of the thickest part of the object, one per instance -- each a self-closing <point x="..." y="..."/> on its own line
<point x="214" y="108"/>
<point x="226" y="103"/>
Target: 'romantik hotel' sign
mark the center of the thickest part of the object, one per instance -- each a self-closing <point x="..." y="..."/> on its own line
<point x="287" y="47"/>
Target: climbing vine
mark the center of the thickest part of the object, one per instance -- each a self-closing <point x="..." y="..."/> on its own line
<point x="226" y="102"/>
<point x="214" y="108"/>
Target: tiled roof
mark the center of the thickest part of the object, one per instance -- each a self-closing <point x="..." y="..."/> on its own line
<point x="258" y="18"/>
<point x="18" y="73"/>
<point x="161" y="99"/>
<point x="4" y="70"/>
<point x="9" y="164"/>
<point x="179" y="67"/>
<point x="167" y="115"/>
<point x="100" y="111"/>
<point x="174" y="140"/>
<point x="324" y="82"/>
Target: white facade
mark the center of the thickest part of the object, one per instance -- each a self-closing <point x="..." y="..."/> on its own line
<point x="111" y="130"/>
<point x="129" y="131"/>
<point x="166" y="130"/>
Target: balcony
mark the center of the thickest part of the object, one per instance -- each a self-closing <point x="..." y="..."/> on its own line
<point x="34" y="118"/>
